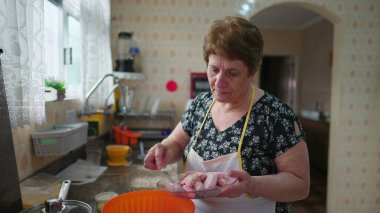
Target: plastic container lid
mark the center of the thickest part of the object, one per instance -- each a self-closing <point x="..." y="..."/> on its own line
<point x="103" y="197"/>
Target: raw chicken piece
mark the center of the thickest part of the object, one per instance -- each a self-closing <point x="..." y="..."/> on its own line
<point x="200" y="181"/>
<point x="187" y="188"/>
<point x="185" y="174"/>
<point x="211" y="180"/>
<point x="199" y="186"/>
<point x="191" y="179"/>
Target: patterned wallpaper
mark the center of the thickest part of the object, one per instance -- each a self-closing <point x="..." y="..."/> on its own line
<point x="170" y="35"/>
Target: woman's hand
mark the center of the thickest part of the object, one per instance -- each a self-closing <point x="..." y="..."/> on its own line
<point x="243" y="185"/>
<point x="168" y="151"/>
<point x="156" y="158"/>
<point x="290" y="183"/>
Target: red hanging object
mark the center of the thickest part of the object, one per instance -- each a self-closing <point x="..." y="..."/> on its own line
<point x="171" y="86"/>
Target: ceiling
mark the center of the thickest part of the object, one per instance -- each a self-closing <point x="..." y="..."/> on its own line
<point x="285" y="17"/>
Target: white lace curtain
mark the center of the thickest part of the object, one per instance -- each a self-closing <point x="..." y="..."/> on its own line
<point x="96" y="48"/>
<point x="22" y="40"/>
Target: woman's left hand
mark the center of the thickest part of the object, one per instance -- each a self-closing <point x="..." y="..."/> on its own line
<point x="243" y="185"/>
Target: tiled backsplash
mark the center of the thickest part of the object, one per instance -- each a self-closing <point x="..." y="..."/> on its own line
<point x="27" y="162"/>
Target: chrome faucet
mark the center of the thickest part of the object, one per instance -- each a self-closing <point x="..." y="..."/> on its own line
<point x="119" y="86"/>
<point x="92" y="90"/>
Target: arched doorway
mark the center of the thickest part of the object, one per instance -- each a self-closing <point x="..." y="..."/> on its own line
<point x="299" y="40"/>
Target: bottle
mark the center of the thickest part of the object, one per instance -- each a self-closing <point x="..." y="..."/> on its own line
<point x="135" y="52"/>
<point x="319" y="111"/>
<point x="125" y="56"/>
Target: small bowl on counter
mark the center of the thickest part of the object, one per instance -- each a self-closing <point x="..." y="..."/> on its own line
<point x="117" y="154"/>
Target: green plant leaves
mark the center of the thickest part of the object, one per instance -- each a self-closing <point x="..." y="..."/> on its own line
<point x="60" y="86"/>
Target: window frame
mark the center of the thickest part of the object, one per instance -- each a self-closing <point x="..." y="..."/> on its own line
<point x="63" y="68"/>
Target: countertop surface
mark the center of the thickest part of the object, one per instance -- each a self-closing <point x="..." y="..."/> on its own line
<point x="120" y="179"/>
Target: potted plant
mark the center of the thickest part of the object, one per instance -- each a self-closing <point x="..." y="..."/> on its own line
<point x="60" y="86"/>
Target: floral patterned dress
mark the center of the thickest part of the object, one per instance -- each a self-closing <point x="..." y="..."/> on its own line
<point x="270" y="133"/>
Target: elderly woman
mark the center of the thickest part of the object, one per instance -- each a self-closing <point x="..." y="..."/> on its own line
<point x="240" y="129"/>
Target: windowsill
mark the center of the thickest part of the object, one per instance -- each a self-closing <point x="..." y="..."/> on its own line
<point x="64" y="100"/>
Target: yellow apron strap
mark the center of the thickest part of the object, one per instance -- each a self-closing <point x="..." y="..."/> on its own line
<point x="241" y="136"/>
<point x="245" y="127"/>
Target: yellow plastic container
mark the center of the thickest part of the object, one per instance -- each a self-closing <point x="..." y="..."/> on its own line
<point x="117" y="154"/>
<point x="95" y="124"/>
<point x="148" y="201"/>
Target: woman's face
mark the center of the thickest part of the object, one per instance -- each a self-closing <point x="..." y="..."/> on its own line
<point x="229" y="79"/>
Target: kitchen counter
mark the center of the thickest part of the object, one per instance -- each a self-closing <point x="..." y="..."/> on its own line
<point x="120" y="179"/>
<point x="317" y="138"/>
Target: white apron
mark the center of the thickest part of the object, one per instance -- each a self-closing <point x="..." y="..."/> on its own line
<point x="232" y="161"/>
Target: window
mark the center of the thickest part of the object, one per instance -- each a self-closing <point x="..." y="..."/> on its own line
<point x="63" y="44"/>
<point x="53" y="40"/>
<point x="73" y="67"/>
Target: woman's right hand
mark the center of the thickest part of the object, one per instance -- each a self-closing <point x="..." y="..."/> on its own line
<point x="168" y="151"/>
<point x="156" y="158"/>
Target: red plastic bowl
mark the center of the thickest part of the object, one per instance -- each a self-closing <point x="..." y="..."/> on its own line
<point x="148" y="201"/>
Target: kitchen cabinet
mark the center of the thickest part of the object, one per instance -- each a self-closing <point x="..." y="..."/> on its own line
<point x="317" y="139"/>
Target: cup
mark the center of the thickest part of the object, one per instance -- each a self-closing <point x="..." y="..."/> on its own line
<point x="93" y="155"/>
<point x="103" y="198"/>
<point x="117" y="154"/>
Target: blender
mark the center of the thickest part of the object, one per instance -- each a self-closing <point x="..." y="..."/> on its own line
<point x="128" y="53"/>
